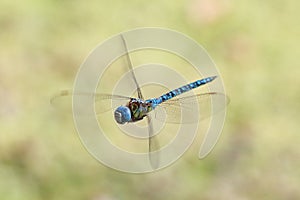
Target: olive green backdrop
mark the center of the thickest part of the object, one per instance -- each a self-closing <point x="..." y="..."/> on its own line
<point x="255" y="45"/>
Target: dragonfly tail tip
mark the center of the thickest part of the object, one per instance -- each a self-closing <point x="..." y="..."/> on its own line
<point x="214" y="77"/>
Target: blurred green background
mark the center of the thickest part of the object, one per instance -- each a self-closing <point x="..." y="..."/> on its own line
<point x="255" y="44"/>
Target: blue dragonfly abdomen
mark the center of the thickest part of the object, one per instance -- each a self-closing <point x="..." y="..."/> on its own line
<point x="137" y="109"/>
<point x="178" y="91"/>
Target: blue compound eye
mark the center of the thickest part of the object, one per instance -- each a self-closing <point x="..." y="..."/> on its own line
<point x="122" y="114"/>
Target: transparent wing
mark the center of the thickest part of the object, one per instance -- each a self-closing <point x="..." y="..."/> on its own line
<point x="103" y="102"/>
<point x="153" y="145"/>
<point x="129" y="63"/>
<point x="190" y="109"/>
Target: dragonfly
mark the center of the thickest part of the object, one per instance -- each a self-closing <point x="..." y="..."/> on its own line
<point x="167" y="107"/>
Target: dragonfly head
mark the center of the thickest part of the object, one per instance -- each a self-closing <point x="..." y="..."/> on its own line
<point x="122" y="114"/>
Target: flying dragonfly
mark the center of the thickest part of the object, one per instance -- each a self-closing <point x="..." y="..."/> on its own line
<point x="167" y="107"/>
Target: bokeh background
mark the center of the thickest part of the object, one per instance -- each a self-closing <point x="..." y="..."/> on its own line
<point x="255" y="45"/>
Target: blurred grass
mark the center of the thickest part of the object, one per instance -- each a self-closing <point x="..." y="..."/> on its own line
<point x="254" y="43"/>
